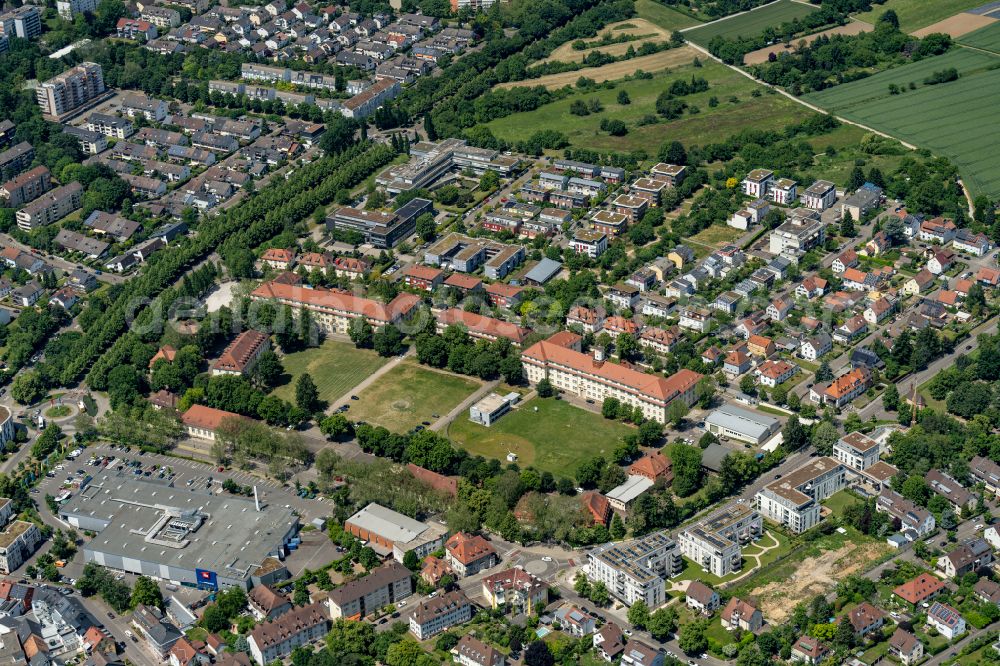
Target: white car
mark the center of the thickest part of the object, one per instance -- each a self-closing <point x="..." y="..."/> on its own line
<point x="546" y="559"/>
<point x="979" y="527"/>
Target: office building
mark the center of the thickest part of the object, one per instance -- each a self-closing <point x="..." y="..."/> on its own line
<point x="636" y="570"/>
<point x="381" y="229"/>
<point x="71" y="89"/>
<point x="464" y="254"/>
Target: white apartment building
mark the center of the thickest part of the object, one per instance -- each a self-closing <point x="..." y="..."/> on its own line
<point x="636" y="570"/>
<point x="801" y="232"/>
<point x="857" y="451"/>
<point x="716" y="543"/>
<point x="276" y="639"/>
<point x="794" y="500"/>
<point x="17" y="543"/>
<point x="439" y="614"/>
<point x="589" y="242"/>
<point x="695" y="319"/>
<point x="68" y="8"/>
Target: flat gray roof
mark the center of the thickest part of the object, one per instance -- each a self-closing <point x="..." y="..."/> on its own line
<point x="144" y="518"/>
<point x="753" y="424"/>
<point x="391" y="525"/>
<point x="543" y="271"/>
<point x="634" y="486"/>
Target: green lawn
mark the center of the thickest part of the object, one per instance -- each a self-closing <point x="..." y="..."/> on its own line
<point x="335" y="366"/>
<point x="663" y="16"/>
<point x="916" y="14"/>
<point x="768" y="111"/>
<point x="987" y="38"/>
<point x="410" y="394"/>
<point x="956" y="119"/>
<point x="839" y="502"/>
<point x="751" y="23"/>
<point x="717" y="235"/>
<point x="550" y="434"/>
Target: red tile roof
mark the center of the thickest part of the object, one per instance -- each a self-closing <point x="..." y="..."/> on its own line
<point x="486" y="326"/>
<point x="467" y="548"/>
<point x="244" y="347"/>
<point x="207" y="418"/>
<point x="920" y="588"/>
<point x="348" y="304"/>
<point x="652" y="466"/>
<point x="439" y="482"/>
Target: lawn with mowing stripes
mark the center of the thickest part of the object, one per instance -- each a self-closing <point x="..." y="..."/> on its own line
<point x="750" y="24"/>
<point x="955" y="119"/>
<point x="336" y="367"/>
<point x="987" y="38"/>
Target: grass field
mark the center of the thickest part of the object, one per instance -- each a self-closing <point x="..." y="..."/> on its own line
<point x="409" y="394"/>
<point x="915" y="14"/>
<point x="612" y="71"/>
<point x="987" y="38"/>
<point x="640" y="29"/>
<point x="554" y="438"/>
<point x="717" y="235"/>
<point x="751" y="23"/>
<point x="335" y="366"/>
<point x="956" y="119"/>
<point x="710" y="124"/>
<point x="663" y="16"/>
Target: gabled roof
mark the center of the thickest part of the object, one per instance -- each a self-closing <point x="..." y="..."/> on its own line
<point x="468" y="548"/>
<point x="700" y="592"/>
<point x="920" y="588"/>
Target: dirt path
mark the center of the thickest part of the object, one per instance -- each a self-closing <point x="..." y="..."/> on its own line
<point x="644" y="31"/>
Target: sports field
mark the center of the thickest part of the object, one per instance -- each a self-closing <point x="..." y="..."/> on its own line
<point x="750" y="24"/>
<point x="955" y="119"/>
<point x="336" y="367"/>
<point x="916" y="14"/>
<point x="767" y="111"/>
<point x="555" y="438"/>
<point x="987" y="39"/>
<point x="409" y="394"/>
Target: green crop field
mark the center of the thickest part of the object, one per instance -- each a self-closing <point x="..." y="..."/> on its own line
<point x="751" y="23"/>
<point x="336" y="367"/>
<point x="987" y="39"/>
<point x="916" y="14"/>
<point x="663" y="16"/>
<point x="409" y="394"/>
<point x="768" y="111"/>
<point x="555" y="438"/>
<point x="955" y="119"/>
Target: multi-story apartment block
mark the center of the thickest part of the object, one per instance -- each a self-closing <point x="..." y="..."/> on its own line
<point x="590" y="242"/>
<point x="69" y="8"/>
<point x="696" y="319"/>
<point x="592" y="378"/>
<point x="439" y="614"/>
<point x="50" y="207"/>
<point x="119" y="128"/>
<point x="820" y="195"/>
<point x="71" y="89"/>
<point x="91" y="143"/>
<point x="24" y="22"/>
<point x="515" y="588"/>
<point x="857" y="451"/>
<point x="276" y="639"/>
<point x="28" y="186"/>
<point x="716" y="543"/>
<point x="16" y="159"/>
<point x="986" y="472"/>
<point x="636" y="570"/>
<point x="757" y="182"/>
<point x="843" y="389"/>
<point x="359" y="598"/>
<point x="152" y="109"/>
<point x="794" y="500"/>
<point x="18" y="542"/>
<point x="800" y="233"/>
<point x="161" y="17"/>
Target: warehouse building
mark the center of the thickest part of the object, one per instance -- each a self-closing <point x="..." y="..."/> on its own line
<point x="742" y="424"/>
<point x="388" y="532"/>
<point x="187" y="537"/>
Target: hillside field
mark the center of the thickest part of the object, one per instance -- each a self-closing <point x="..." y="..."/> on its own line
<point x="707" y="125"/>
<point x="751" y="23"/>
<point x="955" y="119"/>
<point x="916" y="14"/>
<point x="987" y="39"/>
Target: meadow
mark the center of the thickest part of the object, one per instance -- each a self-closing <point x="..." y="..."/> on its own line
<point x="954" y="119"/>
<point x="750" y="24"/>
<point x="987" y="39"/>
<point x="916" y="14"/>
<point x="766" y="111"/>
<point x="335" y="366"/>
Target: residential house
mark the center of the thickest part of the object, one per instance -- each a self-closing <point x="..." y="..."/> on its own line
<point x="865" y="619"/>
<point x="879" y="310"/>
<point x="740" y="614"/>
<point x="701" y="598"/>
<point x="759" y="345"/>
<point x="736" y="363"/>
<point x="940" y="261"/>
<point x="779" y="309"/>
<point x="637" y="653"/>
<point x="971" y="556"/>
<point x="808" y="650"/>
<point x="915" y="521"/>
<point x="976" y="244"/>
<point x="846" y="259"/>
<point x="516" y="588"/>
<point x="609" y="642"/>
<point x="266" y="604"/>
<point x="937" y="230"/>
<point x="962" y="500"/>
<point x="920" y="589"/>
<point x="469" y="554"/>
<point x="159" y="634"/>
<point x="948" y="621"/>
<point x="921" y="282"/>
<point x="843" y="389"/>
<point x="471" y="651"/>
<point x="906" y="647"/>
<point x="575" y="622"/>
<point x="850" y="330"/>
<point x="815" y="347"/>
<point x="771" y="373"/>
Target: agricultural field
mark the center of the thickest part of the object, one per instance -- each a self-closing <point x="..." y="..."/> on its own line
<point x="957" y="25"/>
<point x="987" y="39"/>
<point x="409" y="394"/>
<point x="663" y="16"/>
<point x="708" y="124"/>
<point x="762" y="55"/>
<point x="612" y="71"/>
<point x="916" y="14"/>
<point x="750" y="23"/>
<point x="954" y="119"/>
<point x="336" y="367"/>
<point x="638" y="29"/>
<point x="550" y="434"/>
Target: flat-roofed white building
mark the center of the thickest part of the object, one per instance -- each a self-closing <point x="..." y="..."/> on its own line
<point x="636" y="570"/>
<point x="793" y="501"/>
<point x="857" y="450"/>
<point x="716" y="543"/>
